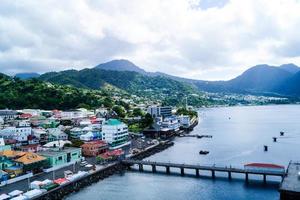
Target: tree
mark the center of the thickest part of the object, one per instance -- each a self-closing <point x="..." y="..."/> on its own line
<point x="147" y="121"/>
<point x="120" y="111"/>
<point x="137" y="112"/>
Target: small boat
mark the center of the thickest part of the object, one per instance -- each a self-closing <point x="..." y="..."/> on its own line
<point x="203" y="152"/>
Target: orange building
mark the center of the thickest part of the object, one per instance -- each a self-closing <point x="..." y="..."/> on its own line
<point x="94" y="148"/>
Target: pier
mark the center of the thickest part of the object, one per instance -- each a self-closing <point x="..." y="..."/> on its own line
<point x="213" y="169"/>
<point x="290" y="186"/>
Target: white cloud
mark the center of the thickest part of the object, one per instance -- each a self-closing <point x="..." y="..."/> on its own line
<point x="202" y="39"/>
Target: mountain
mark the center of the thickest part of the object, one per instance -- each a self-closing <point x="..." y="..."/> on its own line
<point x="290" y="68"/>
<point x="25" y="76"/>
<point x="153" y="87"/>
<point x="120" y="65"/>
<point x="291" y="86"/>
<point x="260" y="79"/>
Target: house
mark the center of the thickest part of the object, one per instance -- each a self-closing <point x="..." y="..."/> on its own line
<point x="41" y="134"/>
<point x="75" y="133"/>
<point x="31" y="162"/>
<point x="56" y="134"/>
<point x="57" y="144"/>
<point x="90" y="136"/>
<point x="5" y="162"/>
<point x="12" y="154"/>
<point x="110" y="156"/>
<point x="94" y="148"/>
<point x="115" y="133"/>
<point x="62" y="156"/>
<point x="31" y="148"/>
<point x="8" y="114"/>
<point x="3" y="146"/>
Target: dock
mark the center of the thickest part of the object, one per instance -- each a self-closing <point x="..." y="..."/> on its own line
<point x="196" y="136"/>
<point x="290" y="186"/>
<point x="213" y="169"/>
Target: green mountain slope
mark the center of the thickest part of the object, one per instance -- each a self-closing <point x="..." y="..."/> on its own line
<point x="33" y="93"/>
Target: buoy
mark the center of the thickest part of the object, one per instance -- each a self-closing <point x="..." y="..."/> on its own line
<point x="266" y="148"/>
<point x="281" y="133"/>
<point x="274" y="139"/>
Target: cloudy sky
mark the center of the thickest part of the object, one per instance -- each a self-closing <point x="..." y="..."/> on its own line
<point x="201" y="39"/>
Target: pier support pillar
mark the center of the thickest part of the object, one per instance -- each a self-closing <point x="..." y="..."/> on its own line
<point x="265" y="179"/>
<point x="229" y="175"/>
<point x="182" y="171"/>
<point x="197" y="173"/>
<point x="213" y="174"/>
<point x="141" y="167"/>
<point x="153" y="168"/>
<point x="167" y="169"/>
<point x="247" y="177"/>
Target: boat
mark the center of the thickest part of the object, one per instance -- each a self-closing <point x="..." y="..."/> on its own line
<point x="203" y="152"/>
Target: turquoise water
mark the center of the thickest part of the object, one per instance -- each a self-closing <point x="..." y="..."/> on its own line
<point x="239" y="134"/>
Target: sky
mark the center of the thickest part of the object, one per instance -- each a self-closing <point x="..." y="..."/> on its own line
<point x="199" y="39"/>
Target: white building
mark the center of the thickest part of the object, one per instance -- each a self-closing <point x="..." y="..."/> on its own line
<point x="115" y="133"/>
<point x="185" y="121"/>
<point x="8" y="114"/>
<point x="160" y="111"/>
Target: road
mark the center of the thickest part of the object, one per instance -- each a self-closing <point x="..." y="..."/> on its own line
<point x="23" y="185"/>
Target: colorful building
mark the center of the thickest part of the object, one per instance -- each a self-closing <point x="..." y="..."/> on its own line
<point x="94" y="148"/>
<point x="115" y="133"/>
<point x="31" y="162"/>
<point x="57" y="157"/>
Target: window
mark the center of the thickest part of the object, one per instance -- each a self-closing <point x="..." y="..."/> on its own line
<point x="60" y="158"/>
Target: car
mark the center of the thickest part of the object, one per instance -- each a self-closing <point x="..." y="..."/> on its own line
<point x="83" y="163"/>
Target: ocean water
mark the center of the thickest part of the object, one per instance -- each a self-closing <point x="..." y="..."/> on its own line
<point x="239" y="134"/>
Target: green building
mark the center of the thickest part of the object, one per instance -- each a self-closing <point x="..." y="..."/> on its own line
<point x="62" y="157"/>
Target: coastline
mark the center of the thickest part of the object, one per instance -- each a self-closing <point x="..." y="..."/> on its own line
<point x="98" y="175"/>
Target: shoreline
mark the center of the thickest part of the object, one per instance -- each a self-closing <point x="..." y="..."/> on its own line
<point x="117" y="167"/>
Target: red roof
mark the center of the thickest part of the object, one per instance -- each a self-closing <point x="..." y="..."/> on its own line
<point x="97" y="142"/>
<point x="117" y="152"/>
<point x="25" y="115"/>
<point x="264" y="165"/>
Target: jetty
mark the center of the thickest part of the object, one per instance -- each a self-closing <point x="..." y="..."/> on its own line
<point x="213" y="169"/>
<point x="290" y="186"/>
<point x="196" y="136"/>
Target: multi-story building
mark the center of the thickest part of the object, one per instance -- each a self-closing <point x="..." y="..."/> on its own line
<point x="8" y="114"/>
<point x="115" y="133"/>
<point x="94" y="148"/>
<point x="160" y="111"/>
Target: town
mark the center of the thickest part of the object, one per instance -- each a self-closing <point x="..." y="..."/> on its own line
<point x="43" y="149"/>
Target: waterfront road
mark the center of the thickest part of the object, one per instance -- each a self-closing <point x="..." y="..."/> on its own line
<point x="24" y="184"/>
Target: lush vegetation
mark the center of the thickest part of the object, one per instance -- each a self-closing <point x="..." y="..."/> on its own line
<point x="184" y="111"/>
<point x="33" y="93"/>
<point x="159" y="88"/>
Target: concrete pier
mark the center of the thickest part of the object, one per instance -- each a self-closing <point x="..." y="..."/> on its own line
<point x="213" y="169"/>
<point x="290" y="186"/>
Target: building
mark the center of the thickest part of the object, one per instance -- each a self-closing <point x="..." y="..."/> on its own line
<point x="94" y="148"/>
<point x="31" y="162"/>
<point x="31" y="148"/>
<point x="8" y="114"/>
<point x="185" y="121"/>
<point x="90" y="136"/>
<point x="160" y="111"/>
<point x="41" y="134"/>
<point x="60" y="157"/>
<point x="4" y="147"/>
<point x="110" y="156"/>
<point x="56" y="134"/>
<point x="76" y="132"/>
<point x="115" y="133"/>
